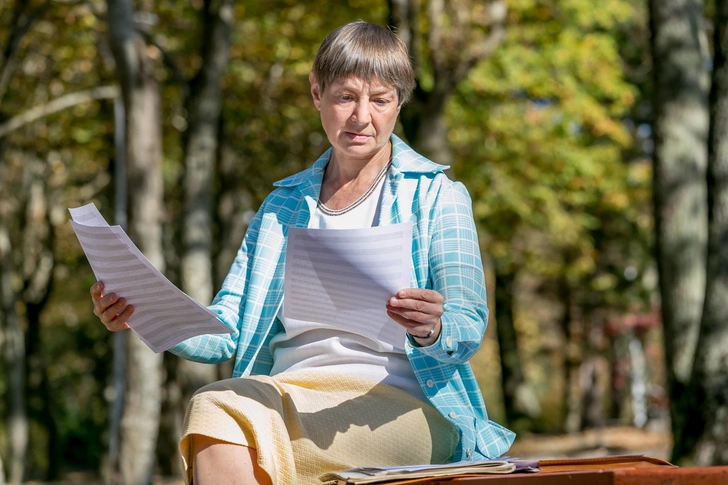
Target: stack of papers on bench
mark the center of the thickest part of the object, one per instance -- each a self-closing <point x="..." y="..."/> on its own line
<point x="377" y="475"/>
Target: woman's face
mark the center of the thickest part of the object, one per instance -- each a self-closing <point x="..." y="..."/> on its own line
<point x="358" y="116"/>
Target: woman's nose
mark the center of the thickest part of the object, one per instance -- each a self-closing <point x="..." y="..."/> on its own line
<point x="361" y="113"/>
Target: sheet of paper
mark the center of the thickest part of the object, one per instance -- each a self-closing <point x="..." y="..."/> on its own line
<point x="163" y="315"/>
<point x="343" y="278"/>
<point x="368" y="475"/>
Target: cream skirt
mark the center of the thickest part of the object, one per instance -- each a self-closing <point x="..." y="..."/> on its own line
<point x="307" y="423"/>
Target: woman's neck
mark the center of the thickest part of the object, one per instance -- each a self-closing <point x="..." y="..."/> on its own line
<point x="343" y="170"/>
<point x="346" y="180"/>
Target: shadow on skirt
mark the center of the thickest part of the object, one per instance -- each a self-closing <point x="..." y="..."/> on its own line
<point x="310" y="422"/>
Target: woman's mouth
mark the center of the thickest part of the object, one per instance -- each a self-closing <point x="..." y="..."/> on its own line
<point x="357" y="137"/>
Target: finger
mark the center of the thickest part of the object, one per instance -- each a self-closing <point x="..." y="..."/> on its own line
<point x="416" y="318"/>
<point x="96" y="290"/>
<point x="413" y="327"/>
<point x="411" y="304"/>
<point x="416" y="310"/>
<point x="420" y="294"/>
<point x="102" y="304"/>
<point x="405" y="322"/>
<point x="415" y="306"/>
<point x="112" y="311"/>
<point x="119" y="323"/>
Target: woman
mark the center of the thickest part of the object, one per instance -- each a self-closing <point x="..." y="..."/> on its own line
<point x="316" y="399"/>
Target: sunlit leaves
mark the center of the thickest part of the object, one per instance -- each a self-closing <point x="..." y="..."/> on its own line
<point x="539" y="135"/>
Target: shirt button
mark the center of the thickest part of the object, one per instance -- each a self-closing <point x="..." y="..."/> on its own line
<point x="430" y="383"/>
<point x="448" y="341"/>
<point x="453" y="415"/>
<point x="468" y="452"/>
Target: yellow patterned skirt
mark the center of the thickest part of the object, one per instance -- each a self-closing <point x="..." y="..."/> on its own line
<point x="307" y="423"/>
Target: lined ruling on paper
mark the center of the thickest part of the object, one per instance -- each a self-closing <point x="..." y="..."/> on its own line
<point x="163" y="315"/>
<point x="344" y="277"/>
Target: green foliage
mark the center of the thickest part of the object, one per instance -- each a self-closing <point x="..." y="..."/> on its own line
<point x="539" y="132"/>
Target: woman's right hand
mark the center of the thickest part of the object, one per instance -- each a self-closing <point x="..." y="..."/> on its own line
<point x="111" y="310"/>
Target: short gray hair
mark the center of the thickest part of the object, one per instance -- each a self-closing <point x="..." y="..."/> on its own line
<point x="364" y="50"/>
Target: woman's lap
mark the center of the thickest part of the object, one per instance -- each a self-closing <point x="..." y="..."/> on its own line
<point x="307" y="423"/>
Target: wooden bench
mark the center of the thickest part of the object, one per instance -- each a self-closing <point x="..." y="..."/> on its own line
<point x="621" y="476"/>
<point x="617" y="470"/>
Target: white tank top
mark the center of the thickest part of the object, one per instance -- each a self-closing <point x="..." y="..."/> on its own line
<point x="312" y="345"/>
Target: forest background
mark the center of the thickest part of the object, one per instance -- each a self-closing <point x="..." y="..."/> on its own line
<point x="588" y="135"/>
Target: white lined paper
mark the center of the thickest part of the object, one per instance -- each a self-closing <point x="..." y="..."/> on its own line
<point x="343" y="278"/>
<point x="163" y="314"/>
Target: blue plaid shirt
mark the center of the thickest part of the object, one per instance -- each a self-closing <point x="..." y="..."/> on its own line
<point x="445" y="256"/>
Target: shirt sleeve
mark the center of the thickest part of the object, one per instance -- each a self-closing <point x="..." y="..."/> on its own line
<point x="227" y="306"/>
<point x="456" y="272"/>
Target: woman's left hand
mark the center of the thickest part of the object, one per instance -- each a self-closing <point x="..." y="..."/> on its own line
<point x="419" y="312"/>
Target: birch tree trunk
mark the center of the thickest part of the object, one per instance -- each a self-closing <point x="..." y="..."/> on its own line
<point x="38" y="263"/>
<point x="680" y="159"/>
<point x="200" y="140"/>
<point x="140" y="92"/>
<point x="711" y="365"/>
<point x="201" y="148"/>
<point x="204" y="105"/>
<point x="13" y="340"/>
<point x="14" y="356"/>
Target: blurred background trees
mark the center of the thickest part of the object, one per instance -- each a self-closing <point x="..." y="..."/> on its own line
<point x="175" y="119"/>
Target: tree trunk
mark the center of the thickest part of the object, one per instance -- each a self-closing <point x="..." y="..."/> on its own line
<point x="594" y="374"/>
<point x="711" y="365"/>
<point x="680" y="159"/>
<point x="110" y="468"/>
<point x="13" y="347"/>
<point x="200" y="152"/>
<point x="201" y="149"/>
<point x="23" y="17"/>
<point x="424" y="125"/>
<point x="572" y="329"/>
<point x="37" y="274"/>
<point x="519" y="401"/>
<point x="235" y="209"/>
<point x="203" y="106"/>
<point x="638" y="381"/>
<point x="140" y="91"/>
<point x="14" y="356"/>
<point x="511" y="372"/>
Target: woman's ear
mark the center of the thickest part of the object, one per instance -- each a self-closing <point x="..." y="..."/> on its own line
<point x="315" y="90"/>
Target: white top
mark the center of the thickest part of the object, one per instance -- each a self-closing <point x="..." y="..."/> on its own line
<point x="312" y="345"/>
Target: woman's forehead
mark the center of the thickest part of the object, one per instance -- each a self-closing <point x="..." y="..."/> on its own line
<point x="373" y="84"/>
